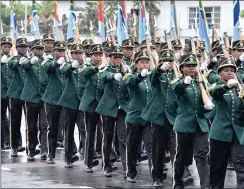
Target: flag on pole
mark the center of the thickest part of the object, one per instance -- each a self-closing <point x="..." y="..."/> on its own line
<point x="56" y="22"/>
<point x="142" y="22"/>
<point x="101" y="26"/>
<point x="71" y="22"/>
<point x="173" y="22"/>
<point x="122" y="29"/>
<point x="236" y="15"/>
<point x="35" y="25"/>
<point x="13" y="22"/>
<point x="203" y="31"/>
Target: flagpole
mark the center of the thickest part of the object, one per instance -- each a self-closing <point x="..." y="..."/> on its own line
<point x="25" y="18"/>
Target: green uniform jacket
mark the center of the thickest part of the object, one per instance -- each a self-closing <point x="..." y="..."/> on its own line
<point x="18" y="78"/>
<point x="93" y="91"/>
<point x="163" y="103"/>
<point x="55" y="82"/>
<point x="190" y="112"/>
<point x="240" y="71"/>
<point x="141" y="92"/>
<point x="128" y="62"/>
<point x="6" y="76"/>
<point x="213" y="76"/>
<point x="115" y="94"/>
<point x="69" y="98"/>
<point x="36" y="82"/>
<point x="229" y="113"/>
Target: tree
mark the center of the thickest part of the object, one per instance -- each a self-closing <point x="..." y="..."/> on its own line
<point x="242" y="14"/>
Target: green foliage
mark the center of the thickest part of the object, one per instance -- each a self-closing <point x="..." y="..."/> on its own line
<point x="242" y="14"/>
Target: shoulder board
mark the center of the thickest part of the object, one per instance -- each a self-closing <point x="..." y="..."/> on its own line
<point x="81" y="69"/>
<point x="175" y="80"/>
<point x="127" y="75"/>
<point x="102" y="70"/>
<point x="44" y="61"/>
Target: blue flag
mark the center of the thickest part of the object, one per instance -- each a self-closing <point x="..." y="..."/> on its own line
<point x="35" y="25"/>
<point x="236" y="14"/>
<point x="13" y="24"/>
<point x="142" y="23"/>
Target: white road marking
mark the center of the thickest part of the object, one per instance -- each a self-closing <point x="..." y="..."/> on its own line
<point x="5" y="169"/>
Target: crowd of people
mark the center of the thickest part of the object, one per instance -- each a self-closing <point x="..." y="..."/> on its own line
<point x="177" y="103"/>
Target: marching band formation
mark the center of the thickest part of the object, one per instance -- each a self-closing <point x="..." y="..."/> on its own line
<point x="168" y="98"/>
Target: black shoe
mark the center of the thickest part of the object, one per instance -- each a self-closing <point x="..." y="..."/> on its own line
<point x="6" y="146"/>
<point x="118" y="160"/>
<point x="75" y="158"/>
<point x="44" y="157"/>
<point x="143" y="157"/>
<point x="157" y="184"/>
<point x="21" y="149"/>
<point x="165" y="167"/>
<point x="107" y="173"/>
<point x="31" y="157"/>
<point x="163" y="177"/>
<point x="68" y="165"/>
<point x="124" y="175"/>
<point x="89" y="170"/>
<point x="60" y="144"/>
<point x="50" y="160"/>
<point x="114" y="168"/>
<point x="37" y="151"/>
<point x="95" y="163"/>
<point x="130" y="179"/>
<point x="99" y="155"/>
<point x="230" y="166"/>
<point x="14" y="153"/>
<point x="188" y="181"/>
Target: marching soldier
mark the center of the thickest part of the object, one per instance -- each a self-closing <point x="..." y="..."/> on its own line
<point x="227" y="128"/>
<point x="52" y="95"/>
<point x="34" y="87"/>
<point x="135" y="42"/>
<point x="128" y="50"/>
<point x="156" y="42"/>
<point x="159" y="112"/>
<point x="106" y="47"/>
<point x="14" y="93"/>
<point x="6" y="77"/>
<point x="86" y="47"/>
<point x="140" y="91"/>
<point x="177" y="48"/>
<point x="114" y="112"/>
<point x="70" y="100"/>
<point x="48" y="40"/>
<point x="190" y="125"/>
<point x="92" y="95"/>
<point x="238" y="54"/>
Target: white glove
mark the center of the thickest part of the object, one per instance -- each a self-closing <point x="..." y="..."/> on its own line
<point x="23" y="60"/>
<point x="209" y="105"/>
<point x="232" y="83"/>
<point x="61" y="60"/>
<point x="165" y="66"/>
<point x="4" y="59"/>
<point x="100" y="67"/>
<point x="214" y="59"/>
<point x="75" y="64"/>
<point x="204" y="66"/>
<point x="34" y="60"/>
<point x="117" y="76"/>
<point x="177" y="55"/>
<point x="187" y="80"/>
<point x="242" y="57"/>
<point x="49" y="56"/>
<point x="144" y="72"/>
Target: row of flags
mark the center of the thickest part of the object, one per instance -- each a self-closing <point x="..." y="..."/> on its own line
<point x="122" y="27"/>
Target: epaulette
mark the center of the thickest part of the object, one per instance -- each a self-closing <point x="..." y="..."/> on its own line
<point x="44" y="61"/>
<point x="127" y="75"/>
<point x="102" y="70"/>
<point x="81" y="69"/>
<point x="175" y="80"/>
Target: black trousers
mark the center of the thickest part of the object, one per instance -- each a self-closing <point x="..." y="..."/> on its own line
<point x="135" y="133"/>
<point x="15" y="107"/>
<point x="121" y="134"/>
<point x="185" y="143"/>
<point x="43" y="124"/>
<point x="53" y="115"/>
<point x="33" y="117"/>
<point x="161" y="137"/>
<point x="80" y="122"/>
<point x="91" y="121"/>
<point x="61" y="128"/>
<point x="219" y="155"/>
<point x="70" y="119"/>
<point x="5" y="133"/>
<point x="99" y="137"/>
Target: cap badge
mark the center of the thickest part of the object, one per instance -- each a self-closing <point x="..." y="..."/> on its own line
<point x="61" y="45"/>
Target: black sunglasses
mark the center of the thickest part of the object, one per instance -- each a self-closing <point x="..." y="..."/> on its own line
<point x="118" y="57"/>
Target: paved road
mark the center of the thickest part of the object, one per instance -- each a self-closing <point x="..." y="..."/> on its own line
<point x="18" y="173"/>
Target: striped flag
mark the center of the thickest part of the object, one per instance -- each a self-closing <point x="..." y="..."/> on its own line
<point x="122" y="29"/>
<point x="236" y="15"/>
<point x="56" y="22"/>
<point x="71" y="22"/>
<point x="173" y="22"/>
<point x="13" y="22"/>
<point x="203" y="28"/>
<point x="142" y="22"/>
<point x="35" y="25"/>
<point x="101" y="25"/>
